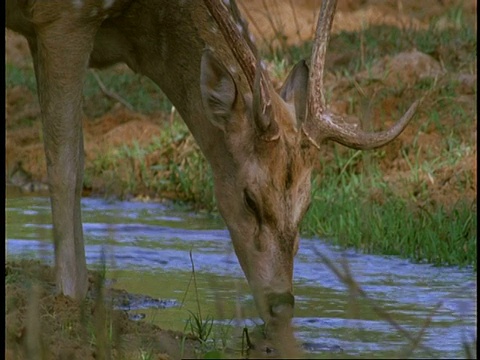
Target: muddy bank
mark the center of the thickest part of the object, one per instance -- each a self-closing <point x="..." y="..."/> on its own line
<point x="39" y="321"/>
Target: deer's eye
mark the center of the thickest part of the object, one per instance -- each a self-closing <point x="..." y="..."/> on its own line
<point x="250" y="203"/>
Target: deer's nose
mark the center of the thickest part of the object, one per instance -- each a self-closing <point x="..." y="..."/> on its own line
<point x="281" y="305"/>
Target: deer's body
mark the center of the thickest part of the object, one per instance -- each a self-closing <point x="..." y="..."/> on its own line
<point x="260" y="145"/>
<point x="160" y="39"/>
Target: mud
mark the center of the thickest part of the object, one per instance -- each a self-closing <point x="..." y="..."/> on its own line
<point x="42" y="324"/>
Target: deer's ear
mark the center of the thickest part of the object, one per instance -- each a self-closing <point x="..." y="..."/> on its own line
<point x="294" y="90"/>
<point x="218" y="90"/>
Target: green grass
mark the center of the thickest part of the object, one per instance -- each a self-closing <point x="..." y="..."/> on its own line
<point x="213" y="338"/>
<point x="343" y="212"/>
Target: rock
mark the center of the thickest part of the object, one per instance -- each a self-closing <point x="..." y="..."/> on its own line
<point x="403" y="68"/>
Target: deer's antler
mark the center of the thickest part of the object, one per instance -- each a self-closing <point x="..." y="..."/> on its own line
<point x="246" y="55"/>
<point x="321" y="124"/>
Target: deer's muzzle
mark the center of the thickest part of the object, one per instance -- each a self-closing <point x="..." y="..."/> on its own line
<point x="281" y="305"/>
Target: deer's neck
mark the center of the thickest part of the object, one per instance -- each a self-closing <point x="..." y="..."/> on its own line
<point x="164" y="40"/>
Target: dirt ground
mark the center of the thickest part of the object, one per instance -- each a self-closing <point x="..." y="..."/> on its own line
<point x="25" y="157"/>
<point x="43" y="325"/>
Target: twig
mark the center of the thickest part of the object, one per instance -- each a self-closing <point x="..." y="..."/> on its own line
<point x="252" y="21"/>
<point x="276" y="25"/>
<point x="196" y="287"/>
<point x="296" y="22"/>
<point x="246" y="339"/>
<point x="109" y="93"/>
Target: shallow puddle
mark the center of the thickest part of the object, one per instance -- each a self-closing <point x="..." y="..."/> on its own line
<point x="149" y="249"/>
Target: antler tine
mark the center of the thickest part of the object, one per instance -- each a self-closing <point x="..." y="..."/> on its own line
<point x="316" y="97"/>
<point x="237" y="43"/>
<point x="321" y="124"/>
<point x="257" y="78"/>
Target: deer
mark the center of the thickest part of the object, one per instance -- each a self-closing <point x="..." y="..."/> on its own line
<point x="261" y="144"/>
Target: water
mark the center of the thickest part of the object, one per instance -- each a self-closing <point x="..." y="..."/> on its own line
<point x="147" y="248"/>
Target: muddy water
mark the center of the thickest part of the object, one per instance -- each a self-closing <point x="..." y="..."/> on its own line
<point x="147" y="247"/>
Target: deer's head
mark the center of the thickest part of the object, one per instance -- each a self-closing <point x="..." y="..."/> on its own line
<point x="272" y="139"/>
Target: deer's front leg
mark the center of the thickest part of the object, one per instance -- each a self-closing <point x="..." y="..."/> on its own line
<point x="61" y="52"/>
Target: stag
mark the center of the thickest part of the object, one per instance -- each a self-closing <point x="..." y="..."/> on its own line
<point x="260" y="144"/>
